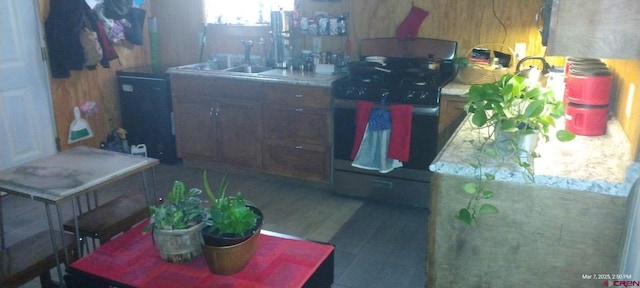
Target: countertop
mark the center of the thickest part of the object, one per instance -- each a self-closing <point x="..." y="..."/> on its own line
<point x="600" y="164"/>
<point x="455" y="89"/>
<point x="270" y="76"/>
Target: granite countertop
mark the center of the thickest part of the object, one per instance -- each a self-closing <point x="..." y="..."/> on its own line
<point x="271" y="76"/>
<point x="455" y="89"/>
<point x="600" y="164"/>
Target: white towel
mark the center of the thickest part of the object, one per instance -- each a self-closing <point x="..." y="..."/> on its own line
<point x="372" y="154"/>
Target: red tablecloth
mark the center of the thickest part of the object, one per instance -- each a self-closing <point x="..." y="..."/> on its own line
<point x="132" y="259"/>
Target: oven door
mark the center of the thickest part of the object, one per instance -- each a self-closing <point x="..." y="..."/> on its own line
<point x="424" y="134"/>
<point x="409" y="184"/>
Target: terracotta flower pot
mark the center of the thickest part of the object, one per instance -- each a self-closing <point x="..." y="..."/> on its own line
<point x="227" y="255"/>
<point x="232" y="259"/>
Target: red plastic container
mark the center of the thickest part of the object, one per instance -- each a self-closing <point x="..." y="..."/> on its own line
<point x="586" y="120"/>
<point x="588" y="90"/>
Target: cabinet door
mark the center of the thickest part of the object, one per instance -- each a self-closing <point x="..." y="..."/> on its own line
<point x="451" y="115"/>
<point x="239" y="132"/>
<point x="307" y="161"/>
<point x="296" y="124"/>
<point x="196" y="130"/>
<point x="595" y="29"/>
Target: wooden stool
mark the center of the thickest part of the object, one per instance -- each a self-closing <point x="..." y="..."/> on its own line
<point x="111" y="218"/>
<point x="31" y="258"/>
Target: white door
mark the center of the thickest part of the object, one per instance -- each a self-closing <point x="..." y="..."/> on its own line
<point x="27" y="130"/>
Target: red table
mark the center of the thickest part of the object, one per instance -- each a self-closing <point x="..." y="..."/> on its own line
<point x="131" y="260"/>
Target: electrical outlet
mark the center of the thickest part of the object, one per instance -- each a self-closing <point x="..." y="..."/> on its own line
<point x="521" y="51"/>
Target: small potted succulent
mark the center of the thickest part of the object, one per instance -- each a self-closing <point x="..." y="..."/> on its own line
<point x="177" y="223"/>
<point x="231" y="232"/>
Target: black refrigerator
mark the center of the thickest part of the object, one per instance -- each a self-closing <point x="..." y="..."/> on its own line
<point x="146" y="110"/>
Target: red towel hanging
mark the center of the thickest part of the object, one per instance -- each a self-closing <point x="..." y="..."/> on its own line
<point x="400" y="140"/>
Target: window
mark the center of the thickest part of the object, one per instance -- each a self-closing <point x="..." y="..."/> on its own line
<point x="245" y="12"/>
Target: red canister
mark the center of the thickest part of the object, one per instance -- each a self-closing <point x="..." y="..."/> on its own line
<point x="591" y="87"/>
<point x="587" y="120"/>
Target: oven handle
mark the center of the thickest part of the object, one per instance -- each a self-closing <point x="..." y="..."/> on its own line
<point x="417" y="110"/>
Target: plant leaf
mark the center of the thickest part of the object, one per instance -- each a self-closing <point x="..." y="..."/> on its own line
<point x="465" y="216"/>
<point x="479" y="118"/>
<point x="487" y="194"/>
<point x="471" y="188"/>
<point x="488" y="209"/>
<point x="564" y="135"/>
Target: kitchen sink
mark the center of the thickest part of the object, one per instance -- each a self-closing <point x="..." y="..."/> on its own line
<point x="205" y="66"/>
<point x="248" y="69"/>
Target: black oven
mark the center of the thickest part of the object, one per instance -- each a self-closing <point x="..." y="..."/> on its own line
<point x="424" y="133"/>
<point x="407" y="79"/>
<point x="408" y="184"/>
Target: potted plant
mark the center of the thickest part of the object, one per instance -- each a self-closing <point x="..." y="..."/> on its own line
<point x="231" y="232"/>
<point x="512" y="110"/>
<point x="177" y="223"/>
<point x="515" y="115"/>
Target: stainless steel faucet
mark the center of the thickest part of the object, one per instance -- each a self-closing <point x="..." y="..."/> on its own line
<point x="247" y="50"/>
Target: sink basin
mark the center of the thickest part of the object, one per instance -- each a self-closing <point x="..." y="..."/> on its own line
<point x="205" y="66"/>
<point x="248" y="69"/>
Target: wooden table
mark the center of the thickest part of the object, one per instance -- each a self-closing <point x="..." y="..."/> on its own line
<point x="65" y="176"/>
<point x="131" y="260"/>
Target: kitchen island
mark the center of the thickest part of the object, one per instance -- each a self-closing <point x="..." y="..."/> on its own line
<point x="568" y="223"/>
<point x="276" y="121"/>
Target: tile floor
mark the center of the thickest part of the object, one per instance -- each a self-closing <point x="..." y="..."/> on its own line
<point x="377" y="244"/>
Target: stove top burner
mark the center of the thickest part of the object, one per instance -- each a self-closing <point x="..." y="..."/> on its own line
<point x="405" y="84"/>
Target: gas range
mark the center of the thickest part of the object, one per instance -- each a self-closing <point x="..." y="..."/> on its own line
<point x="405" y="84"/>
<point x="407" y="80"/>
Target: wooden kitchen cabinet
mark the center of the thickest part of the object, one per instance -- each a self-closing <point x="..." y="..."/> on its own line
<point x="275" y="128"/>
<point x="217" y="120"/>
<point x="451" y="115"/>
<point x="196" y="130"/>
<point x="296" y="122"/>
<point x="239" y="133"/>
<point x="594" y="29"/>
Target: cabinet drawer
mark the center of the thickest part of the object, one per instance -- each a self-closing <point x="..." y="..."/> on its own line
<point x="297" y="95"/>
<point x="189" y="88"/>
<point x="309" y="125"/>
<point x="304" y="161"/>
<point x="237" y="89"/>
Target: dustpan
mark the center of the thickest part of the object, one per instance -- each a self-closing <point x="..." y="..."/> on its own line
<point x="79" y="129"/>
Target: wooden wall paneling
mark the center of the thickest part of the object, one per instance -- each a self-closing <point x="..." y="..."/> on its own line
<point x="625" y="104"/>
<point x="468" y="22"/>
<point x="97" y="85"/>
<point x="180" y="26"/>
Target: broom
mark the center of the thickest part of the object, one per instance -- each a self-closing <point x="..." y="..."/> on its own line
<point x="79" y="129"/>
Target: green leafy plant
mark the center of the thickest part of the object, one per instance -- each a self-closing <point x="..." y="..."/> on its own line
<point x="229" y="215"/>
<point x="509" y="110"/>
<point x="181" y="209"/>
<point x="510" y="105"/>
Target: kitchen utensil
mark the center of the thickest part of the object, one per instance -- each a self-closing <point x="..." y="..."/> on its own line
<point x="79" y="128"/>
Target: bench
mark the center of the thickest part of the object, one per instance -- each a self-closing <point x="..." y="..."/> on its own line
<point x="111" y="218"/>
<point x="31" y="258"/>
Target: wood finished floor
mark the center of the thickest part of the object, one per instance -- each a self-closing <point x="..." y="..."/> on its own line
<point x="377" y="244"/>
